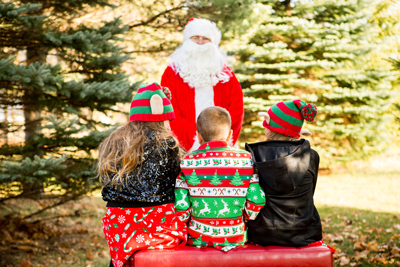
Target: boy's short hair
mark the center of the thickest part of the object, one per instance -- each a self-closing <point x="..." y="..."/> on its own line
<point x="214" y="123"/>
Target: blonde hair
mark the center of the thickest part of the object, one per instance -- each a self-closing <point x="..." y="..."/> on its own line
<point x="214" y="123"/>
<point x="122" y="151"/>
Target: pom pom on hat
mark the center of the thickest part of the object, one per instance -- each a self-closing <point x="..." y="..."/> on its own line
<point x="151" y="104"/>
<point x="202" y="27"/>
<point x="309" y="112"/>
<point x="190" y="21"/>
<point x="167" y="93"/>
<point x="288" y="117"/>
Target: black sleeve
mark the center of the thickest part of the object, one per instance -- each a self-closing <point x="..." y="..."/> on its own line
<point x="314" y="166"/>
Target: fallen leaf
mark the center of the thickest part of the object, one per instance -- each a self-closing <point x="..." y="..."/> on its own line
<point x="362" y="255"/>
<point x="344" y="261"/>
<point x="337" y="238"/>
<point x="89" y="254"/>
<point x="359" y="246"/>
<point x="395" y="251"/>
<point x="395" y="236"/>
<point x="373" y="246"/>
<point x="25" y="263"/>
<point x="105" y="253"/>
<point x="352" y="236"/>
<point x="383" y="260"/>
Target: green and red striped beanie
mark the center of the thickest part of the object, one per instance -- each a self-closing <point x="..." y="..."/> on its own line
<point x="287" y="117"/>
<point x="141" y="109"/>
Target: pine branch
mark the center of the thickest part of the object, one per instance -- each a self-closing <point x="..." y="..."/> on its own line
<point x="155" y="17"/>
<point x="61" y="202"/>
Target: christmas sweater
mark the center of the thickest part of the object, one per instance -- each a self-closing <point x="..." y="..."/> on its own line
<point x="216" y="187"/>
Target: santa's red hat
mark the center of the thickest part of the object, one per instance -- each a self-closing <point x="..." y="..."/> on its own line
<point x="202" y="27"/>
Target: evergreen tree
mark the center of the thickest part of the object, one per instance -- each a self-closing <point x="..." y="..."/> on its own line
<point x="236" y="181"/>
<point x="319" y="51"/>
<point x="59" y="74"/>
<point x="193" y="180"/>
<point x="395" y="110"/>
<point x="215" y="180"/>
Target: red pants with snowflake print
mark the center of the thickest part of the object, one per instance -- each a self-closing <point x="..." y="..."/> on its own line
<point x="128" y="230"/>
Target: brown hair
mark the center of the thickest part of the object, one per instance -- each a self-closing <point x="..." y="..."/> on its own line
<point x="270" y="135"/>
<point x="214" y="123"/>
<point x="121" y="152"/>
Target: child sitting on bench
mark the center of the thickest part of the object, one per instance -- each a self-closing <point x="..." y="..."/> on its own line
<point x="138" y="166"/>
<point x="288" y="171"/>
<point x="217" y="185"/>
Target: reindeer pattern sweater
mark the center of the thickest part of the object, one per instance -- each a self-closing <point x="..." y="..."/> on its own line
<point x="216" y="188"/>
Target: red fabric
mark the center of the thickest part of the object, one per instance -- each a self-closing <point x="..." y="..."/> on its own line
<point x="151" y="87"/>
<point x="146" y="102"/>
<point x="322" y="243"/>
<point x="288" y="111"/>
<point x="228" y="95"/>
<point x="248" y="256"/>
<point x="152" y="117"/>
<point x="128" y="230"/>
<point x="283" y="123"/>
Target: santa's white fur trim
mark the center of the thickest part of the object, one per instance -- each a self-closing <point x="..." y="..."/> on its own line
<point x="202" y="27"/>
<point x="196" y="144"/>
<point x="203" y="98"/>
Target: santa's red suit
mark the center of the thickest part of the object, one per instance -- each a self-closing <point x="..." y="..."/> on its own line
<point x="228" y="95"/>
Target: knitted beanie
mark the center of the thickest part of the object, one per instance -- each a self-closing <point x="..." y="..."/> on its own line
<point x="202" y="27"/>
<point x="287" y="117"/>
<point x="152" y="103"/>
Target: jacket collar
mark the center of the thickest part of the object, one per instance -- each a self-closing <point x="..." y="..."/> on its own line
<point x="214" y="144"/>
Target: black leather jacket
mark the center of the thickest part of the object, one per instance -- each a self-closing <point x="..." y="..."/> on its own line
<point x="154" y="184"/>
<point x="288" y="172"/>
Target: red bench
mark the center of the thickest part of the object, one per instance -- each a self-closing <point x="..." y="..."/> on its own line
<point x="250" y="255"/>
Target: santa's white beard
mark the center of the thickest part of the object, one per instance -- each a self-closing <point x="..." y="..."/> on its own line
<point x="199" y="65"/>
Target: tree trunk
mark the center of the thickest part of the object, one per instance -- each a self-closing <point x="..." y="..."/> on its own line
<point x="32" y="114"/>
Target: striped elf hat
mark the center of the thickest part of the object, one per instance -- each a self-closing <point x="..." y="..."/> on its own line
<point x="151" y="104"/>
<point x="287" y="117"/>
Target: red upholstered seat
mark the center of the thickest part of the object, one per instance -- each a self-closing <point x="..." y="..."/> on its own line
<point x="248" y="256"/>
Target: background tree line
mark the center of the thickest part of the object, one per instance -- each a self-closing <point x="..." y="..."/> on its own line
<point x="66" y="70"/>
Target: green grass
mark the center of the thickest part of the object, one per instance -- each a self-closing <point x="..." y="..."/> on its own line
<point x="360" y="209"/>
<point x="361" y="237"/>
<point x="373" y="190"/>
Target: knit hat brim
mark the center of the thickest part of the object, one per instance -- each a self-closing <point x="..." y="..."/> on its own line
<point x="152" y="117"/>
<point x="202" y="27"/>
<point x="286" y="132"/>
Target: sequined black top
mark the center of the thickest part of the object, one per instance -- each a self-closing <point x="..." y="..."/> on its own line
<point x="156" y="180"/>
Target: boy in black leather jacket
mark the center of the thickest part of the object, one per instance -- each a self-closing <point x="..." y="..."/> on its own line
<point x="288" y="171"/>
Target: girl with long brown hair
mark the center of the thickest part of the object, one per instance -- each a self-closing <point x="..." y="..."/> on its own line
<point x="138" y="165"/>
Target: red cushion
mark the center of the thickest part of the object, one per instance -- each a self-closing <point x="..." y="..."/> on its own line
<point x="250" y="255"/>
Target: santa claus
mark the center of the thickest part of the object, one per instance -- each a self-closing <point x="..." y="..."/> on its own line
<point x="199" y="77"/>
